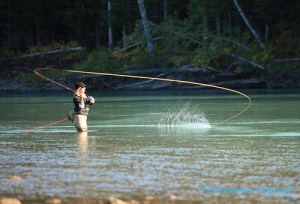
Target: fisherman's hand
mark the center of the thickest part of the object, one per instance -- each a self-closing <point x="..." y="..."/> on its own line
<point x="91" y="99"/>
<point x="83" y="96"/>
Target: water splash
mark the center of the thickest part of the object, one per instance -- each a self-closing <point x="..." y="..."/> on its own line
<point x="183" y="116"/>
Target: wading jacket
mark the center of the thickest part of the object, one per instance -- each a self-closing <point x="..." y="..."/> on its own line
<point x="79" y="110"/>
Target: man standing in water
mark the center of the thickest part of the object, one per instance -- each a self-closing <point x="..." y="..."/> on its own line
<point x="82" y="103"/>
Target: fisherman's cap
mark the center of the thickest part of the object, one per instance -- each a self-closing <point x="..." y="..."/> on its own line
<point x="79" y="84"/>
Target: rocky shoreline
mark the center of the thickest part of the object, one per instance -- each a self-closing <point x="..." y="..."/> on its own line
<point x="13" y="81"/>
<point x="16" y="76"/>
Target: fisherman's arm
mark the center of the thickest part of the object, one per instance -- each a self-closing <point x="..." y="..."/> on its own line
<point x="81" y="102"/>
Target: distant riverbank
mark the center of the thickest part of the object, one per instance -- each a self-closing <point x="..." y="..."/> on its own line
<point x="17" y="80"/>
<point x="17" y="75"/>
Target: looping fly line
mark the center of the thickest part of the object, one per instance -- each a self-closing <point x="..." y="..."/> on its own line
<point x="36" y="71"/>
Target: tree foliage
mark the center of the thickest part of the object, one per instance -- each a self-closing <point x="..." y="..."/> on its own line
<point x="199" y="32"/>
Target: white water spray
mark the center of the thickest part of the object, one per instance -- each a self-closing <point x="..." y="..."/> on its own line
<point x="183" y="116"/>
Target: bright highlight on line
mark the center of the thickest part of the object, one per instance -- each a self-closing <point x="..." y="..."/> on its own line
<point x="177" y="118"/>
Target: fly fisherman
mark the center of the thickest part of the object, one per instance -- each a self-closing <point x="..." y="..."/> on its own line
<point x="82" y="103"/>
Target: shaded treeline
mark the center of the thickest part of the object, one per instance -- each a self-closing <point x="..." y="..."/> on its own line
<point x="172" y="32"/>
<point x="26" y="23"/>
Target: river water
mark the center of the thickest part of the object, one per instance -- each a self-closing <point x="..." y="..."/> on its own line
<point x="161" y="144"/>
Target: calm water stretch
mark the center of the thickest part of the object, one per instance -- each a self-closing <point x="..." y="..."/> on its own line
<point x="153" y="144"/>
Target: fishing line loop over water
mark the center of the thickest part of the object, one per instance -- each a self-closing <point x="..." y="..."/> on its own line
<point x="37" y="72"/>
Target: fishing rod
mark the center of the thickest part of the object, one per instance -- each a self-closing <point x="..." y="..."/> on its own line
<point x="37" y="72"/>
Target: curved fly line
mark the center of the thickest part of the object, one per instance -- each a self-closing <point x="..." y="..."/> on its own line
<point x="37" y="72"/>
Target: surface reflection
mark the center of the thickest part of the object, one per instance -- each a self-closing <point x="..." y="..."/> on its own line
<point x="83" y="142"/>
<point x="126" y="154"/>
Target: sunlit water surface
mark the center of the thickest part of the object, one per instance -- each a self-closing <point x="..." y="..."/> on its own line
<point x="153" y="144"/>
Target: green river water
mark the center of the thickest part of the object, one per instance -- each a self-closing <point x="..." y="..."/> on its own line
<point x="157" y="144"/>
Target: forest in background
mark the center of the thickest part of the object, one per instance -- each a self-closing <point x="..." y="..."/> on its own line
<point x="243" y="37"/>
